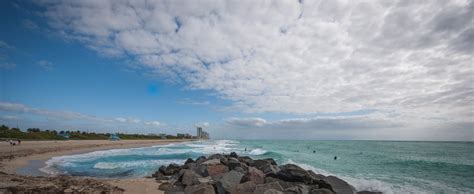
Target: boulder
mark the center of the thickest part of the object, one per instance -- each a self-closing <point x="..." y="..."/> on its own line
<point x="321" y="191"/>
<point x="239" y="169"/>
<point x="191" y="165"/>
<point x="272" y="191"/>
<point x="215" y="170"/>
<point x="165" y="186"/>
<point x="200" y="159"/>
<point x="170" y="169"/>
<point x="233" y="154"/>
<point x="369" y="192"/>
<point x="298" y="189"/>
<point x="190" y="177"/>
<point x="293" y="173"/>
<point x="212" y="162"/>
<point x="201" y="170"/>
<point x="233" y="163"/>
<point x="261" y="188"/>
<point x="284" y="184"/>
<point x="215" y="156"/>
<point x="229" y="179"/>
<point x="159" y="176"/>
<point x="267" y="166"/>
<point x="199" y="189"/>
<point x="339" y="186"/>
<point x="171" y="189"/>
<point x="254" y="175"/>
<point x="189" y="160"/>
<point x="245" y="159"/>
<point x="243" y="188"/>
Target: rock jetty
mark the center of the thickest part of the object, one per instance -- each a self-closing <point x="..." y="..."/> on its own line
<point x="230" y="173"/>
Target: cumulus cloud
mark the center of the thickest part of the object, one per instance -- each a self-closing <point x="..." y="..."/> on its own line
<point x="246" y="122"/>
<point x="293" y="57"/>
<point x="153" y="123"/>
<point x="409" y="59"/>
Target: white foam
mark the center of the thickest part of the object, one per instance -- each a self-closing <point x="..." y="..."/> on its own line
<point x="134" y="164"/>
<point x="257" y="152"/>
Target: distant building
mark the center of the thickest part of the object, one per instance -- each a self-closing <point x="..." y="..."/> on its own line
<point x="63" y="134"/>
<point x="114" y="137"/>
<point x="201" y="134"/>
<point x="162" y="135"/>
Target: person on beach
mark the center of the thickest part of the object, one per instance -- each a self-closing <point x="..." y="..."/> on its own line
<point x="19" y="141"/>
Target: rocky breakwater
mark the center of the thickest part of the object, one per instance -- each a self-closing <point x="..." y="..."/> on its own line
<point x="241" y="174"/>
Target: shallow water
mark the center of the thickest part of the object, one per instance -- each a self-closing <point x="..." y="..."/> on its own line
<point x="388" y="166"/>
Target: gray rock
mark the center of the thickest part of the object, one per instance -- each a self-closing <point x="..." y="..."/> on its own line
<point x="245" y="159"/>
<point x="239" y="169"/>
<point x="254" y="175"/>
<point x="272" y="191"/>
<point x="298" y="189"/>
<point x="233" y="154"/>
<point x="212" y="162"/>
<point x="339" y="186"/>
<point x="369" y="192"/>
<point x="215" y="156"/>
<point x="200" y="159"/>
<point x="199" y="189"/>
<point x="170" y="169"/>
<point x="229" y="179"/>
<point x="172" y="189"/>
<point x="243" y="188"/>
<point x="321" y="191"/>
<point x="261" y="188"/>
<point x="215" y="170"/>
<point x="190" y="177"/>
<point x="267" y="166"/>
<point x="190" y="165"/>
<point x="293" y="173"/>
<point x="284" y="184"/>
<point x="189" y="160"/>
<point x="201" y="170"/>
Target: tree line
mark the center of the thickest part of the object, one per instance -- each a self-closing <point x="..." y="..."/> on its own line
<point x="39" y="134"/>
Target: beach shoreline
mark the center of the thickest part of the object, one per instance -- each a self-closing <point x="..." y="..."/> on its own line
<point x="13" y="158"/>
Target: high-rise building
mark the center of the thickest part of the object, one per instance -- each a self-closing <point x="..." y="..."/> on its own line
<point x="199" y="132"/>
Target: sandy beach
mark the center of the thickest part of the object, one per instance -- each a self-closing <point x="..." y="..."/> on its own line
<point x="15" y="157"/>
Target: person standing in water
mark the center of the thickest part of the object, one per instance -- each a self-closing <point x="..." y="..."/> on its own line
<point x="335" y="157"/>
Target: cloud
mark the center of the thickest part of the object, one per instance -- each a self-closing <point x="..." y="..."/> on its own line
<point x="28" y="24"/>
<point x="154" y="123"/>
<point x="46" y="65"/>
<point x="284" y="56"/>
<point x="5" y="46"/>
<point x="246" y="122"/>
<point x="367" y="127"/>
<point x="188" y="101"/>
<point x="53" y="118"/>
<point x="6" y="65"/>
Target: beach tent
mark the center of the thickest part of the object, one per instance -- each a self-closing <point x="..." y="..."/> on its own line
<point x="114" y="137"/>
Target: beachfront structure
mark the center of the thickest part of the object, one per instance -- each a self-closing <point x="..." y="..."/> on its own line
<point x="162" y="135"/>
<point x="114" y="137"/>
<point x="201" y="134"/>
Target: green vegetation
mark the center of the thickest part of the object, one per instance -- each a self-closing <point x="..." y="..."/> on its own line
<point x="38" y="134"/>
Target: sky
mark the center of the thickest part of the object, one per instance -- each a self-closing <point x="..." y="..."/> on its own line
<point x="242" y="69"/>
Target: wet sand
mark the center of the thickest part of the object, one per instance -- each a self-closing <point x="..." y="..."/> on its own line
<point x="16" y="161"/>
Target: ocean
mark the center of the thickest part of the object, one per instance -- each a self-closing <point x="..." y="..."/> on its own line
<point x="387" y="166"/>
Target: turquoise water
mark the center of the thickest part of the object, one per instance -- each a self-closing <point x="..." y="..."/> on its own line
<point x="387" y="166"/>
